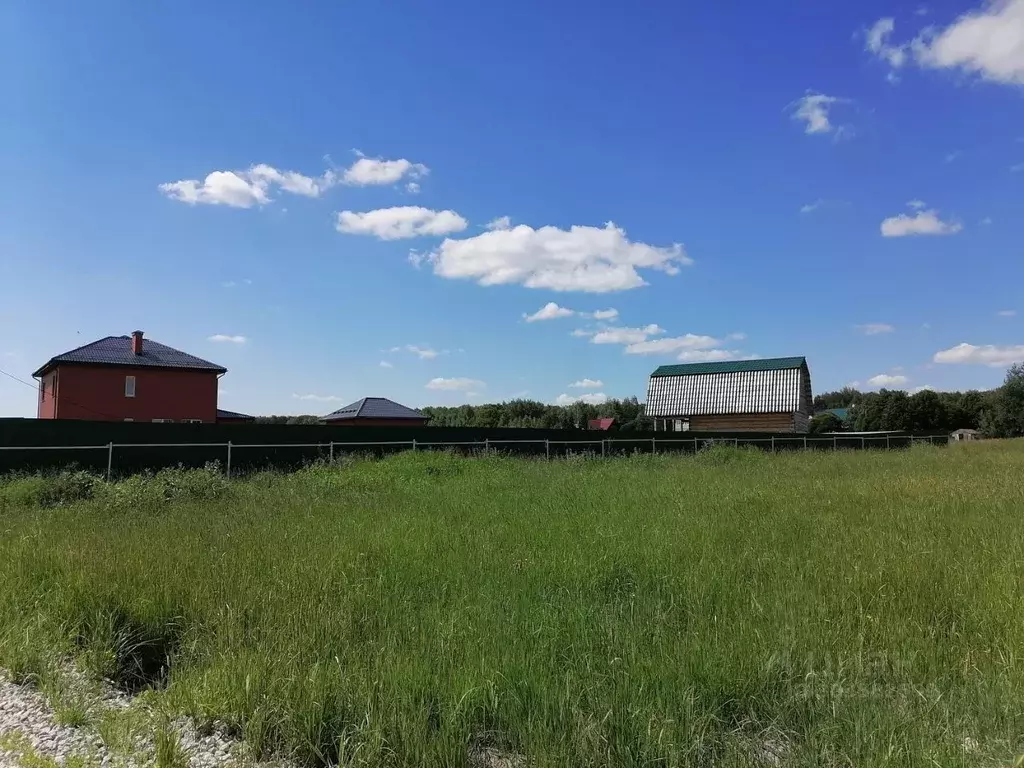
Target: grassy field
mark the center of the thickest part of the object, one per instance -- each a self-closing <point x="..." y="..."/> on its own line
<point x="735" y="608"/>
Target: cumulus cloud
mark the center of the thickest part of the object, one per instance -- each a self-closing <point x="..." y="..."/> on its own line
<point x="922" y="222"/>
<point x="455" y="384"/>
<point x="689" y="341"/>
<point x="887" y="380"/>
<point x="550" y="311"/>
<point x="605" y="314"/>
<point x="317" y="398"/>
<point x="987" y="42"/>
<point x="413" y="188"/>
<point x="399" y="223"/>
<point x="227" y="338"/>
<point x="587" y="384"/>
<point x="244" y="189"/>
<point x="502" y="222"/>
<point x="625" y="335"/>
<point x="813" y="109"/>
<point x="711" y="355"/>
<point x="376" y="171"/>
<point x="985" y="354"/>
<point x="424" y="353"/>
<point x="874" y="329"/>
<point x="581" y="258"/>
<point x="591" y="398"/>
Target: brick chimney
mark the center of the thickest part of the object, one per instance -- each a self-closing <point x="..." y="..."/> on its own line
<point x="137" y="342"/>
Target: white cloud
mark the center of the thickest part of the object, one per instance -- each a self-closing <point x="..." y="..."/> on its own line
<point x="236" y="283"/>
<point x="400" y="223"/>
<point x="244" y="189"/>
<point x="223" y="337"/>
<point x="625" y="335"/>
<point x="887" y="380"/>
<point x="813" y="109"/>
<point x="674" y="344"/>
<point x="588" y="259"/>
<point x="710" y="355"/>
<point x="988" y="42"/>
<point x="550" y="311"/>
<point x="424" y="353"/>
<point x="917" y="205"/>
<point x="367" y="171"/>
<point x="455" y="384"/>
<point x="877" y="42"/>
<point x="920" y="223"/>
<point x="413" y="188"/>
<point x="736" y="336"/>
<point x="587" y="384"/>
<point x="811" y="207"/>
<point x="591" y="398"/>
<point x="317" y="398"/>
<point x="502" y="222"/>
<point x="1007" y="312"/>
<point x="605" y="314"/>
<point x="922" y="388"/>
<point x="386" y="364"/>
<point x="583" y="332"/>
<point x="985" y="354"/>
<point x="874" y="329"/>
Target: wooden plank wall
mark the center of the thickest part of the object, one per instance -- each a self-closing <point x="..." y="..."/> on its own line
<point x="744" y="422"/>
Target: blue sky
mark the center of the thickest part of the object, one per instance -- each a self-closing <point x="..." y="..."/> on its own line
<point x="784" y="179"/>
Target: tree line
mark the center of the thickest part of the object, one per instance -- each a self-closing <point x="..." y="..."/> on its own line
<point x="997" y="413"/>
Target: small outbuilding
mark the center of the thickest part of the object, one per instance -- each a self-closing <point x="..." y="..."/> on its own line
<point x="376" y="412"/>
<point x="232" y="417"/>
<point x="963" y="435"/>
<point x="601" y="425"/>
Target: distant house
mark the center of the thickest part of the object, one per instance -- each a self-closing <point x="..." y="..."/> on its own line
<point x="737" y="395"/>
<point x="230" y="417"/>
<point x="376" y="412"/>
<point x="840" y="413"/>
<point x="601" y="424"/>
<point x="128" y="378"/>
<point x="964" y="435"/>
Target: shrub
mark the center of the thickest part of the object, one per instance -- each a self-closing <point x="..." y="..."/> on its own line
<point x="54" y="490"/>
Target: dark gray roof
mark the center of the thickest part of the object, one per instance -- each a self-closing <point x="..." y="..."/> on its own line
<point x="374" y="408"/>
<point x="117" y="350"/>
<point x="222" y="414"/>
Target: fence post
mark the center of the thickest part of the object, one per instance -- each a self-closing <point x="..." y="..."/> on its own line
<point x="887" y="443"/>
<point x="862" y="443"/>
<point x="773" y="443"/>
<point x="332" y="451"/>
<point x="414" y="445"/>
<point x="834" y="444"/>
<point x="110" y="459"/>
<point x="229" y="459"/>
<point x="487" y="445"/>
<point x="805" y="442"/>
<point x="654" y="447"/>
<point x="603" y="448"/>
<point x="695" y="446"/>
<point x="547" y="449"/>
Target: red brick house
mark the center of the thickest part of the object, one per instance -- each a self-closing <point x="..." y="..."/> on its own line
<point x="128" y="378"/>
<point x="376" y="412"/>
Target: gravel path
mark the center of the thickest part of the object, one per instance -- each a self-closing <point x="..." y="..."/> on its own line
<point x="30" y="734"/>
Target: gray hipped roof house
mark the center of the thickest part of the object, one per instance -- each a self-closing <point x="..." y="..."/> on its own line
<point x="376" y="411"/>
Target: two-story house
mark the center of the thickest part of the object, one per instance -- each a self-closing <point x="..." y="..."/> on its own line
<point x="128" y="378"/>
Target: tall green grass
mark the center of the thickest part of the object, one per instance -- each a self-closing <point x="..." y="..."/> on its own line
<point x="736" y="608"/>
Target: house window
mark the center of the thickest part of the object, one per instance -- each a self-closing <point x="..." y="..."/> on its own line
<point x="163" y="421"/>
<point x="129" y="419"/>
<point x="129" y="386"/>
<point x="192" y="421"/>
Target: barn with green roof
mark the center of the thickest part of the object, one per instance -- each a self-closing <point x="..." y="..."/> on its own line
<point x="772" y="395"/>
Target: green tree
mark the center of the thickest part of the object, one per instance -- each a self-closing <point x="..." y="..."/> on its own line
<point x="1005" y="415"/>
<point x="826" y="422"/>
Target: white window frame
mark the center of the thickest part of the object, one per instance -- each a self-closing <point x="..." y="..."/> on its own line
<point x="191" y="421"/>
<point x="163" y="421"/>
<point x="129" y="419"/>
<point x="129" y="386"/>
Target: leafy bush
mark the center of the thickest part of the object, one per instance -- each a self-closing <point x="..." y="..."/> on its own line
<point x="53" y="490"/>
